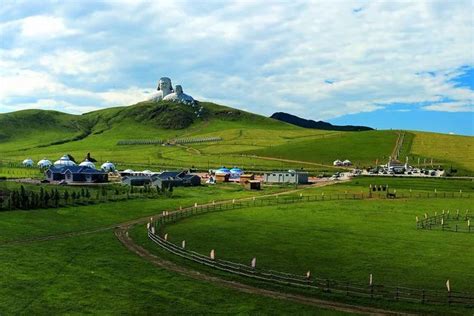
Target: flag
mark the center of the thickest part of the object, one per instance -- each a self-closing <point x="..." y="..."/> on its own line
<point x="195" y="205"/>
<point x="468" y="223"/>
<point x="448" y="286"/>
<point x="254" y="262"/>
<point x="153" y="230"/>
<point x="166" y="236"/>
<point x="417" y="219"/>
<point x="212" y="254"/>
<point x="183" y="244"/>
<point x="308" y="274"/>
<point x="148" y="226"/>
<point x="370" y="279"/>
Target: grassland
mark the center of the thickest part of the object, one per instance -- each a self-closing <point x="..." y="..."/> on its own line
<point x="39" y="134"/>
<point x="92" y="273"/>
<point x="450" y="150"/>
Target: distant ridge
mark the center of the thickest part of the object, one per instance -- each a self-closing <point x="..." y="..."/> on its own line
<point x="298" y="121"/>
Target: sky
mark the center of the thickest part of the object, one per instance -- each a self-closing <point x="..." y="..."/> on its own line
<point x="385" y="64"/>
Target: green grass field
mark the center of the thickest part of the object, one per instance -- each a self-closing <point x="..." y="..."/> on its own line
<point x="48" y="134"/>
<point x="93" y="273"/>
<point x="342" y="240"/>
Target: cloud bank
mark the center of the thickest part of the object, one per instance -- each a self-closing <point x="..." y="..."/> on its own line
<point x="318" y="59"/>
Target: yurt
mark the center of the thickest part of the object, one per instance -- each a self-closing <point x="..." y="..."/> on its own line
<point x="64" y="161"/>
<point x="108" y="167"/>
<point x="87" y="163"/>
<point x="347" y="163"/>
<point x="337" y="162"/>
<point x="222" y="171"/>
<point x="28" y="162"/>
<point x="44" y="163"/>
<point x="236" y="172"/>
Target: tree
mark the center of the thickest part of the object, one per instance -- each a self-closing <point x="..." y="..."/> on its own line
<point x="66" y="196"/>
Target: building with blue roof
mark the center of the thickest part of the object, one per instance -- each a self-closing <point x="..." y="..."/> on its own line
<point x="71" y="174"/>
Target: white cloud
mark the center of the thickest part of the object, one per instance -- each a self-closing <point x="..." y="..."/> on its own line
<point x="259" y="55"/>
<point x="76" y="62"/>
<point x="451" y="107"/>
<point x="41" y="27"/>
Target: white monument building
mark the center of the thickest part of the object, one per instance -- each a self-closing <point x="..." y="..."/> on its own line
<point x="166" y="92"/>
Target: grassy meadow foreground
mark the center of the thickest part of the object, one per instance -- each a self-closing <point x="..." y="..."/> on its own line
<point x="65" y="259"/>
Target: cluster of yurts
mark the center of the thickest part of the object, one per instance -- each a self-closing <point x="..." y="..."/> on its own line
<point x="66" y="161"/>
<point x="232" y="173"/>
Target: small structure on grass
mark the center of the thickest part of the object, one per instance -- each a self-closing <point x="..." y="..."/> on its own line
<point x="252" y="185"/>
<point x="44" y="163"/>
<point x="28" y="162"/>
<point x="64" y="161"/>
<point x="290" y="176"/>
<point x="108" y="166"/>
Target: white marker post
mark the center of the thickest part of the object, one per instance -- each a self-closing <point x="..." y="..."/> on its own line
<point x="254" y="263"/>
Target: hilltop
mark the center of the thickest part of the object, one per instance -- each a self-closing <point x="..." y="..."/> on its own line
<point x="247" y="139"/>
<point x="298" y="121"/>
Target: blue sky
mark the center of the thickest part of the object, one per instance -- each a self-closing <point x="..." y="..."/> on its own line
<point x="385" y="64"/>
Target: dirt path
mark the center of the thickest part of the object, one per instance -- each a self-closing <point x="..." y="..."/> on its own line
<point x="122" y="233"/>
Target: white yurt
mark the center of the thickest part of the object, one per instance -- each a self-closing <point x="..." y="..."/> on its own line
<point x="64" y="161"/>
<point x="236" y="172"/>
<point x="347" y="163"/>
<point x="87" y="163"/>
<point x="147" y="171"/>
<point x="108" y="166"/>
<point x="28" y="162"/>
<point x="44" y="163"/>
<point x="222" y="171"/>
<point x="337" y="162"/>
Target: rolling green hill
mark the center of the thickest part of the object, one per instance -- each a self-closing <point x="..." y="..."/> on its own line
<point x="246" y="139"/>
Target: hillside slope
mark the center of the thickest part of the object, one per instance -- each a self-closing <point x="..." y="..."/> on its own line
<point x="50" y="134"/>
<point x="301" y="122"/>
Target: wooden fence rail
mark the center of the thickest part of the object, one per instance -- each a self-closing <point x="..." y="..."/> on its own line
<point x="374" y="291"/>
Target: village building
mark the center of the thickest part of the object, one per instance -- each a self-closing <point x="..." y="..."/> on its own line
<point x="64" y="161"/>
<point x="28" y="162"/>
<point x="44" y="163"/>
<point x="252" y="184"/>
<point x="71" y="174"/>
<point x="347" y="163"/>
<point x="337" y="162"/>
<point x="396" y="166"/>
<point x="290" y="176"/>
<point x="160" y="180"/>
<point x="108" y="166"/>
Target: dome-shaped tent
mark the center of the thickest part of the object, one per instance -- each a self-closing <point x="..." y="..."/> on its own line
<point x="108" y="167"/>
<point x="44" y="163"/>
<point x="87" y="163"/>
<point x="28" y="162"/>
<point x="347" y="163"/>
<point x="236" y="172"/>
<point x="222" y="171"/>
<point x="337" y="162"/>
<point x="64" y="161"/>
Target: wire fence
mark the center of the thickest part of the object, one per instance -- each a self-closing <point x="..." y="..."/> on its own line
<point x="188" y="140"/>
<point x="446" y="221"/>
<point x="369" y="290"/>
